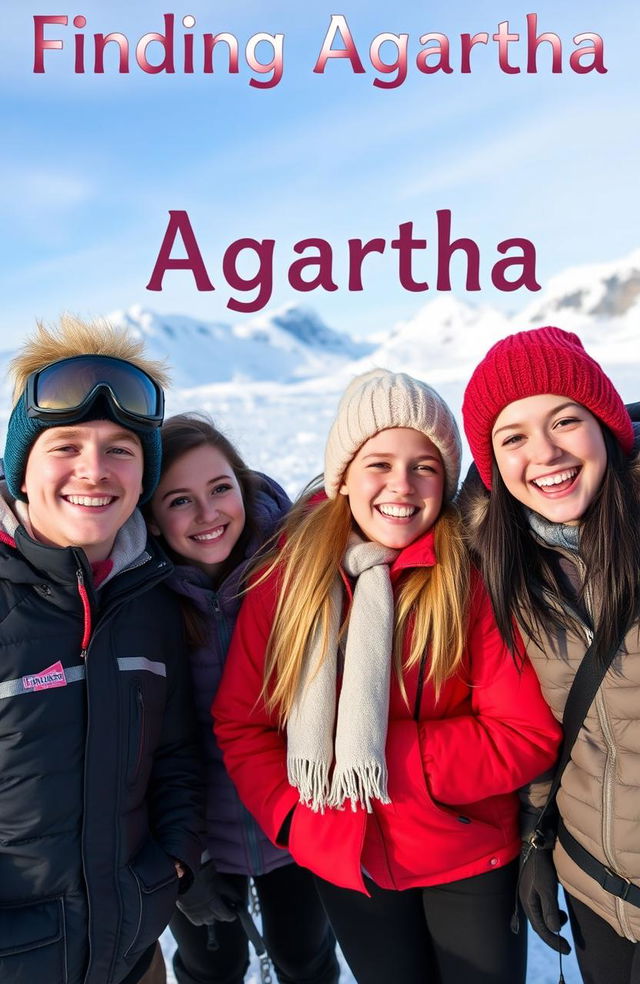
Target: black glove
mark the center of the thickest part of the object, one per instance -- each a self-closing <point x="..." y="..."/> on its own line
<point x="212" y="897"/>
<point x="538" y="890"/>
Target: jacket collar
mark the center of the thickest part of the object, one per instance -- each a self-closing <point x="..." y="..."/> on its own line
<point x="420" y="553"/>
<point x="129" y="549"/>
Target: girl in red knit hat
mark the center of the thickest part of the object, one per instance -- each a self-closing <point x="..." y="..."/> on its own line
<point x="370" y="715"/>
<point x="555" y="527"/>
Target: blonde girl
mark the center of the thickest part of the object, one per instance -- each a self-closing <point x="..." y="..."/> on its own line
<point x="370" y="714"/>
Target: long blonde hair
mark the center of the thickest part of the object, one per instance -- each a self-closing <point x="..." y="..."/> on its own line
<point x="431" y="605"/>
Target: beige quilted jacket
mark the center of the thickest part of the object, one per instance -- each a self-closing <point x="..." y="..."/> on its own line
<point x="599" y="797"/>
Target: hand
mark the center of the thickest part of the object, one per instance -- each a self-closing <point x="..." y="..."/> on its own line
<point x="538" y="890"/>
<point x="211" y="898"/>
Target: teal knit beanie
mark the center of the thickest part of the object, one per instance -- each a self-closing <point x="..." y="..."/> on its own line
<point x="23" y="430"/>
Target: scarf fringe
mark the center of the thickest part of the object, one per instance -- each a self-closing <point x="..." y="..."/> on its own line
<point x="359" y="784"/>
<point x="311" y="779"/>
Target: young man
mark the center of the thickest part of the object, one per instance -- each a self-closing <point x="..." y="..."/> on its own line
<point x="99" y="781"/>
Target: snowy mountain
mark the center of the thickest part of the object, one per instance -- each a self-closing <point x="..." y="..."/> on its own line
<point x="287" y="344"/>
<point x="273" y="381"/>
<point x="441" y="338"/>
<point x="600" y="302"/>
<point x="596" y="292"/>
<point x="282" y="427"/>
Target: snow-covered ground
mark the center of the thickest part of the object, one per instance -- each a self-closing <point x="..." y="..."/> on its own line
<point x="542" y="965"/>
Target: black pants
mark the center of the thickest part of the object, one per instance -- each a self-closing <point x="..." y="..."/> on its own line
<point x="296" y="931"/>
<point x="449" y="934"/>
<point x="603" y="956"/>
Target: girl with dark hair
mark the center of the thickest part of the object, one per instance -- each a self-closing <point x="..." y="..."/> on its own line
<point x="213" y="514"/>
<point x="554" y="521"/>
<point x="371" y="716"/>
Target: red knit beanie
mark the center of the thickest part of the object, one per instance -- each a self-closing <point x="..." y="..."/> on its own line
<point x="543" y="360"/>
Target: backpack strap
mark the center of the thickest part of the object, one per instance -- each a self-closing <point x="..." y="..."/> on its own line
<point x="612" y="883"/>
<point x="581" y="696"/>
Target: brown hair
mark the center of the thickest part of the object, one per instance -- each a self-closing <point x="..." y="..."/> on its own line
<point x="520" y="574"/>
<point x="180" y="434"/>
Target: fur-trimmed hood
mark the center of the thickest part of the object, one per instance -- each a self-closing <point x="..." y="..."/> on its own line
<point x="473" y="502"/>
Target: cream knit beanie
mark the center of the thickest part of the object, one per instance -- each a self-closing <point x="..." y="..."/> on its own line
<point x="379" y="400"/>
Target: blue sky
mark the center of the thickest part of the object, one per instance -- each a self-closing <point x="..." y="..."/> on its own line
<point x="90" y="165"/>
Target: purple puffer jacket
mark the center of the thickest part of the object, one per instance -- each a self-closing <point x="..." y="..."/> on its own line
<point x="234" y="840"/>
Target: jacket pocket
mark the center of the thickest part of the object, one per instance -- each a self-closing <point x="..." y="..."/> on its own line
<point x="33" y="942"/>
<point x="136" y="735"/>
<point x="153" y="876"/>
<point x="411" y="797"/>
<point x="329" y="843"/>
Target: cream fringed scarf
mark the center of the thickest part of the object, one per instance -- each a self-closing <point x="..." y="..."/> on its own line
<point x="360" y="770"/>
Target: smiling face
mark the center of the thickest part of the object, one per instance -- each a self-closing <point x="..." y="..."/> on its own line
<point x="83" y="483"/>
<point x="395" y="485"/>
<point x="198" y="508"/>
<point x="551" y="455"/>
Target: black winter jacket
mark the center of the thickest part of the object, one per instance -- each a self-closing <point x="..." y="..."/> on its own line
<point x="99" y="780"/>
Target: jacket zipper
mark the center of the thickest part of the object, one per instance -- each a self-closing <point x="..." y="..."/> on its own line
<point x="86" y="609"/>
<point x="608" y="782"/>
<point x="86" y="612"/>
<point x="607" y="779"/>
<point x="222" y="627"/>
<point x="140" y="718"/>
<point x="114" y="607"/>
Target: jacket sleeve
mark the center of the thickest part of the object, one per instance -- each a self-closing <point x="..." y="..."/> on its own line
<point x="252" y="744"/>
<point x="175" y="792"/>
<point x="533" y="797"/>
<point x="510" y="736"/>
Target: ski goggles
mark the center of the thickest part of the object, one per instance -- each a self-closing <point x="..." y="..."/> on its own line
<point x="65" y="391"/>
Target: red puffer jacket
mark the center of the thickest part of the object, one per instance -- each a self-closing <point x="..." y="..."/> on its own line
<point x="452" y="773"/>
